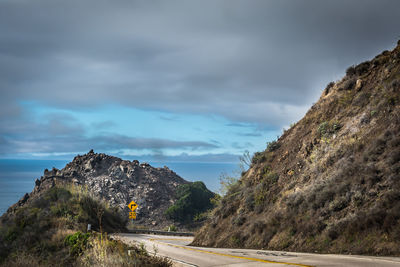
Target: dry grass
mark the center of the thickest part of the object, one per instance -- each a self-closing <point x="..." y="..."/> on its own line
<point x="106" y="252"/>
<point x="22" y="259"/>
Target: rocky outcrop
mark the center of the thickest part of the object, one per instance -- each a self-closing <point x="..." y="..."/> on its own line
<point x="118" y="182"/>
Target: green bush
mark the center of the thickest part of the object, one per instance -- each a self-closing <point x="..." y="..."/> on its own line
<point x="327" y="128"/>
<point x="192" y="199"/>
<point x="58" y="194"/>
<point x="77" y="242"/>
<point x="171" y="228"/>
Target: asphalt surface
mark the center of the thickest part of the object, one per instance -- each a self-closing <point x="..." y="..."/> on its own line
<point x="176" y="248"/>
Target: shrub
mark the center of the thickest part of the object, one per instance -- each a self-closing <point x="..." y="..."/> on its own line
<point x="192" y="199"/>
<point x="294" y="200"/>
<point x="100" y="216"/>
<point x="349" y="84"/>
<point x="249" y="200"/>
<point x="77" y="242"/>
<point x="332" y="233"/>
<point x="258" y="227"/>
<point x="362" y="68"/>
<point x="272" y="146"/>
<point x="171" y="228"/>
<point x="228" y="209"/>
<point x="201" y="217"/>
<point x="258" y="157"/>
<point x="59" y="194"/>
<point x="327" y="128"/>
<point x="270" y="178"/>
<point x="236" y="240"/>
<point x="351" y="71"/>
<point x="323" y="128"/>
<point x="328" y="87"/>
<point x="238" y="220"/>
<point x="229" y="184"/>
<point x="326" y="195"/>
<point x="260" y="195"/>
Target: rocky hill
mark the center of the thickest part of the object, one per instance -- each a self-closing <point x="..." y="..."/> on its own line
<point x="331" y="183"/>
<point x="118" y="182"/>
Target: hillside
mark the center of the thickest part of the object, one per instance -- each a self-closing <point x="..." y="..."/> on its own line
<point x="330" y="183"/>
<point x="118" y="182"/>
<point x="50" y="230"/>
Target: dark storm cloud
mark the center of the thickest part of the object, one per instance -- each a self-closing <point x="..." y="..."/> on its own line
<point x="258" y="61"/>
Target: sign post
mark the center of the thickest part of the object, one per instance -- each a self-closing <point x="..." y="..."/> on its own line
<point x="132" y="206"/>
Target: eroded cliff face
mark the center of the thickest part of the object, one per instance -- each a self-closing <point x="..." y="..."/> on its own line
<point x="331" y="183"/>
<point x="118" y="182"/>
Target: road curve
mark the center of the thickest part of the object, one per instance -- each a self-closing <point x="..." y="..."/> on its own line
<point x="176" y="248"/>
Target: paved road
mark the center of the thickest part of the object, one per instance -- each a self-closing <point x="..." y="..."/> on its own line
<point x="176" y="248"/>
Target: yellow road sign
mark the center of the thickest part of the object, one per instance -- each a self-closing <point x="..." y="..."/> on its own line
<point x="132" y="206"/>
<point x="132" y="215"/>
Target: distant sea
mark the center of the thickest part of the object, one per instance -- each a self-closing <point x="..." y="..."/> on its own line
<point x="17" y="177"/>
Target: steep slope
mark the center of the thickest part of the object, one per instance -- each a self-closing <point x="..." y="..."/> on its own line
<point x="331" y="183"/>
<point x="118" y="182"/>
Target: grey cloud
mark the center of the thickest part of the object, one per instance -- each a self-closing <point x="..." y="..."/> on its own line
<point x="184" y="157"/>
<point x="250" y="134"/>
<point x="238" y="124"/>
<point x="57" y="128"/>
<point x="59" y="132"/>
<point x="215" y="142"/>
<point x="50" y="125"/>
<point x="119" y="141"/>
<point x="236" y="145"/>
<point x="263" y="62"/>
<point x="71" y="143"/>
<point x="60" y="124"/>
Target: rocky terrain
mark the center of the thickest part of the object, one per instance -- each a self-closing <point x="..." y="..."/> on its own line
<point x="118" y="182"/>
<point x="330" y="183"/>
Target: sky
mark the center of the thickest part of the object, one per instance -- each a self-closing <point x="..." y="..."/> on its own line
<point x="173" y="80"/>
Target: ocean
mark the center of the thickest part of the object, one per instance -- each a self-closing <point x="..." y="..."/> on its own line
<point x="17" y="177"/>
